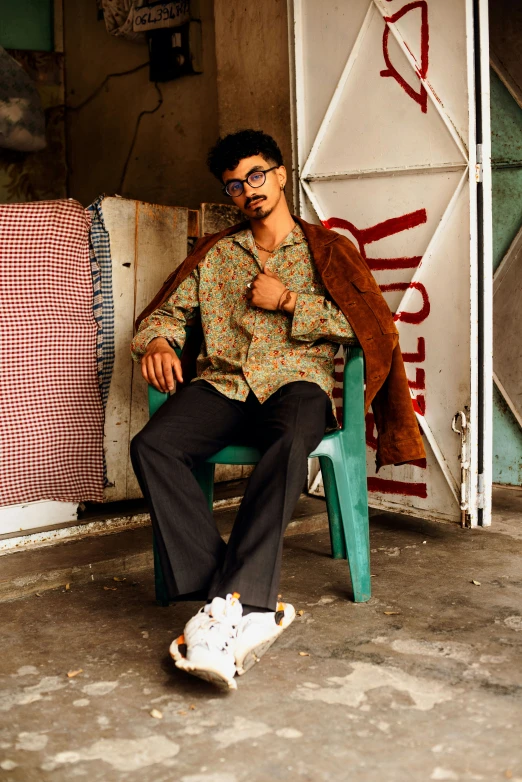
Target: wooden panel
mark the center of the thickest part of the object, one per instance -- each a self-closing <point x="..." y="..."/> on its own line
<point x="193" y="223"/>
<point x="216" y="217"/>
<point x="120" y="219"/>
<point x="34" y="515"/>
<point x="161" y="234"/>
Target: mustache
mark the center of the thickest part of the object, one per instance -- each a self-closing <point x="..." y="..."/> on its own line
<point x="253" y="200"/>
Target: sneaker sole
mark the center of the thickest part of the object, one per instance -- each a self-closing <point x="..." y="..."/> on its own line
<point x="174" y="649"/>
<point x="252" y="656"/>
<point x="208" y="674"/>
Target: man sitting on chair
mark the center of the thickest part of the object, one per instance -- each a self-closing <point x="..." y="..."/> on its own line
<point x="271" y="328"/>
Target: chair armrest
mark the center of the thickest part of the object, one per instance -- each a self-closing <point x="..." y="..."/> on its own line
<point x="156" y="399"/>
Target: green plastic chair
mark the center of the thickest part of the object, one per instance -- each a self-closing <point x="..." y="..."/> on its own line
<point x="342" y="456"/>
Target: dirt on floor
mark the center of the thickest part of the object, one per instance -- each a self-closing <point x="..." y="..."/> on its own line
<point x="424" y="682"/>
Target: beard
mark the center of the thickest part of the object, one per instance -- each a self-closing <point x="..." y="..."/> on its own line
<point x="258" y="212"/>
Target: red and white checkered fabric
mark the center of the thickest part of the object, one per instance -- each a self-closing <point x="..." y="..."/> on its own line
<point x="51" y="415"/>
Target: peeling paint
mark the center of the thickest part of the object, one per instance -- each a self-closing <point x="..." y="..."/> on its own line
<point x="26" y="670"/>
<point x="31" y="693"/>
<point x="31" y="742"/>
<point x="444" y="773"/>
<point x="351" y="690"/>
<point x="242" y="729"/>
<point x="8" y="765"/>
<point x="192" y="730"/>
<point x="210" y="778"/>
<point x="514" y="622"/>
<point x="324" y="600"/>
<point x="289" y="733"/>
<point x="99" y="688"/>
<point x="121" y="754"/>
<point x="449" y="649"/>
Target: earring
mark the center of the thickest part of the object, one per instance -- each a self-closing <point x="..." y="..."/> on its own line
<point x="282" y="187"/>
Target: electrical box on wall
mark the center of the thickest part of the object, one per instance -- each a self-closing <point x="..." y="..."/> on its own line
<point x="175" y="52"/>
<point x="173" y="30"/>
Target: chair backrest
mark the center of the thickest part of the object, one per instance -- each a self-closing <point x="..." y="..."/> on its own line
<point x="353" y="380"/>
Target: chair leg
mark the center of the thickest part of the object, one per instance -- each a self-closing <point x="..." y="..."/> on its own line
<point x="162" y="598"/>
<point x="204" y="474"/>
<point x="333" y="508"/>
<point x="353" y="500"/>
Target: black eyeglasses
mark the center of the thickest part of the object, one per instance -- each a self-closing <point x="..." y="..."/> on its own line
<point x="234" y="187"/>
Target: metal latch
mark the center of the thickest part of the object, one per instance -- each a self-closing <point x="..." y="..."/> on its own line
<point x="464" y="464"/>
<point x="478" y="164"/>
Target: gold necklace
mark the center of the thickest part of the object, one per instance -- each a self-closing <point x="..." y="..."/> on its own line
<point x="260" y="247"/>
<point x="270" y="252"/>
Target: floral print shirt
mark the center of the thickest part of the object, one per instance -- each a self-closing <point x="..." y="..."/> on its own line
<point x="247" y="348"/>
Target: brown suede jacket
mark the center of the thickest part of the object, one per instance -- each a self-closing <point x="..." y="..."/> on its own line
<point x="352" y="287"/>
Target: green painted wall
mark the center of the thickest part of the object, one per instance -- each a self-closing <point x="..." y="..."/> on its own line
<point x="27" y="24"/>
<point x="506" y="149"/>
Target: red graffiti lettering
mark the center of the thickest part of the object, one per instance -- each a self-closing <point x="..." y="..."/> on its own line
<point x="420" y="380"/>
<point x="420" y="97"/>
<point x="419" y="404"/>
<point x="371" y="440"/>
<point x="420" y="355"/>
<point x="394" y="225"/>
<point x="410" y="317"/>
<point x="363" y="237"/>
<point x="380" y="264"/>
<point x="398" y="487"/>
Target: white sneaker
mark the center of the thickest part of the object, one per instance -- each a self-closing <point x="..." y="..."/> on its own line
<point x="206" y="648"/>
<point x="257" y="632"/>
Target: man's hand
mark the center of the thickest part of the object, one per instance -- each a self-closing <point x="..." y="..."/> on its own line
<point x="158" y="363"/>
<point x="266" y="290"/>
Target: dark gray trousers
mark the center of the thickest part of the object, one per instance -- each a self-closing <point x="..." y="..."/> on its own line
<point x="194" y="424"/>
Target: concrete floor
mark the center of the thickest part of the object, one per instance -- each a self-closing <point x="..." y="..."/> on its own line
<point x="424" y="682"/>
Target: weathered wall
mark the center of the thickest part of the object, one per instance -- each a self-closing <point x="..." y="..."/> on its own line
<point x="245" y="84"/>
<point x="253" y="82"/>
<point x="38" y="176"/>
<point x="167" y="164"/>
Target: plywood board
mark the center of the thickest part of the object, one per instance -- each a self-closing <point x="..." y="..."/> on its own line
<point x="35" y="515"/>
<point x="120" y="220"/>
<point x="161" y="234"/>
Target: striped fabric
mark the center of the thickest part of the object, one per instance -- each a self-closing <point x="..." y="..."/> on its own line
<point x="51" y="415"/>
<point x="103" y="302"/>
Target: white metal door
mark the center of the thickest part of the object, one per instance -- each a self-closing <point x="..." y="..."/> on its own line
<point x="385" y="127"/>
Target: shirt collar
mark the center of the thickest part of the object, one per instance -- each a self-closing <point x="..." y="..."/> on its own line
<point x="246" y="239"/>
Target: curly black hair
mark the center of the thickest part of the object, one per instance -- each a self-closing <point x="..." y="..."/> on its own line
<point x="228" y="151"/>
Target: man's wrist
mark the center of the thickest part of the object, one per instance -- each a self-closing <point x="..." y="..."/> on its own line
<point x="157" y="339"/>
<point x="289" y="302"/>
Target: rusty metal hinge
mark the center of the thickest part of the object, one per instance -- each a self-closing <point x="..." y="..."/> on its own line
<point x="464" y="464"/>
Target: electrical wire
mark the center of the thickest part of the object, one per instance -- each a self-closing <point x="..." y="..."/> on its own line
<point x="102" y="85"/>
<point x="138" y="120"/>
<point x="135" y="136"/>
